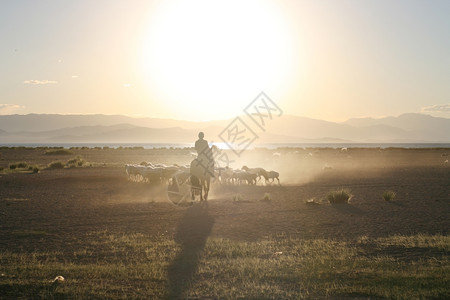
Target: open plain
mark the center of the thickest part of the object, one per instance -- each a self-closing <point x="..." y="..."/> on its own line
<point x="110" y="237"/>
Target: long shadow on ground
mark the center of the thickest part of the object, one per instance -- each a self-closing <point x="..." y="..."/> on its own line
<point x="348" y="209"/>
<point x="192" y="233"/>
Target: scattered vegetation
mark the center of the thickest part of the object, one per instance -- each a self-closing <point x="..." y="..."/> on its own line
<point x="58" y="152"/>
<point x="389" y="195"/>
<point x="133" y="266"/>
<point x="22" y="167"/>
<point x="18" y="165"/>
<point x="237" y="198"/>
<point x="267" y="197"/>
<point x="78" y="161"/>
<point x="341" y="196"/>
<point x="75" y="162"/>
<point x="56" y="165"/>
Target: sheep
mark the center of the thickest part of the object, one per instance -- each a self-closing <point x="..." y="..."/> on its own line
<point x="152" y="174"/>
<point x="169" y="172"/>
<point x="249" y="177"/>
<point x="226" y="175"/>
<point x="242" y="177"/>
<point x="274" y="175"/>
<point x="132" y="172"/>
<point x="258" y="171"/>
<point x="161" y="173"/>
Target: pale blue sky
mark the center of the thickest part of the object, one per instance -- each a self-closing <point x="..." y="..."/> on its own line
<point x="203" y="60"/>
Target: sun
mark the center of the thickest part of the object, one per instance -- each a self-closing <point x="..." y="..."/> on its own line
<point x="206" y="59"/>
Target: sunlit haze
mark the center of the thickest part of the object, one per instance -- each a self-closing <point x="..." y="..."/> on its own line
<point x="205" y="60"/>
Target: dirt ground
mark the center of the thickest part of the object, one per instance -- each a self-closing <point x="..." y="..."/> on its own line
<point x="57" y="209"/>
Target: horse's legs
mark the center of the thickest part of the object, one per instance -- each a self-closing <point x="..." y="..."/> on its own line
<point x="206" y="185"/>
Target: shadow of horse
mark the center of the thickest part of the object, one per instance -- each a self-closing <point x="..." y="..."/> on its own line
<point x="348" y="209"/>
<point x="192" y="233"/>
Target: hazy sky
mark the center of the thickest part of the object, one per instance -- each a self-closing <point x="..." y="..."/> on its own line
<point x="203" y="60"/>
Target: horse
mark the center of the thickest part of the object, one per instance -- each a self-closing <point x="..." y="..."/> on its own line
<point x="201" y="169"/>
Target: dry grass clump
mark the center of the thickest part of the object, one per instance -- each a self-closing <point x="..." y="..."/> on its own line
<point x="267" y="197"/>
<point x="18" y="165"/>
<point x="58" y="152"/>
<point x="56" y="165"/>
<point x="237" y="198"/>
<point x="341" y="196"/>
<point x="72" y="163"/>
<point x="22" y="167"/>
<point x="389" y="195"/>
<point x="76" y="162"/>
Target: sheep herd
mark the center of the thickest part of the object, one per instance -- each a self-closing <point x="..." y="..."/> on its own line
<point x="160" y="173"/>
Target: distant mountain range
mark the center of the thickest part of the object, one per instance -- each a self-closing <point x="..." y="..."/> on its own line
<point x="53" y="128"/>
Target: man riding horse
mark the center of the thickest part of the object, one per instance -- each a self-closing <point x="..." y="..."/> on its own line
<point x="202" y="168"/>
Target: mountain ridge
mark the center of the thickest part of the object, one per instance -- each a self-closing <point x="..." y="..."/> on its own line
<point x="41" y="128"/>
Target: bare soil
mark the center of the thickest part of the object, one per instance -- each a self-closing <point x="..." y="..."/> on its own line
<point x="57" y="209"/>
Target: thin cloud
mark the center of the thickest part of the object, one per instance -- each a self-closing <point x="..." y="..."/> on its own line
<point x="40" y="82"/>
<point x="75" y="76"/>
<point x="437" y="108"/>
<point x="7" y="109"/>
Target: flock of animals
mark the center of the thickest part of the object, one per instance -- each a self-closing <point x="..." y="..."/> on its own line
<point x="160" y="173"/>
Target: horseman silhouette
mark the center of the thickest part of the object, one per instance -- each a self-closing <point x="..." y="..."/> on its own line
<point x="202" y="168"/>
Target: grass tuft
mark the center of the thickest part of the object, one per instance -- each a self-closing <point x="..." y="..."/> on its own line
<point x="18" y="165"/>
<point x="341" y="196"/>
<point x="389" y="195"/>
<point x="267" y="197"/>
<point x="56" y="165"/>
<point x="237" y="198"/>
<point x="76" y="162"/>
<point x="22" y="165"/>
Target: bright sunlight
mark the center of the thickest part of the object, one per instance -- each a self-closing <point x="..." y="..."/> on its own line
<point x="201" y="52"/>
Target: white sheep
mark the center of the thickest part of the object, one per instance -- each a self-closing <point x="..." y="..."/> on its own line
<point x="258" y="171"/>
<point x="226" y="175"/>
<point x="242" y="177"/>
<point x="132" y="172"/>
